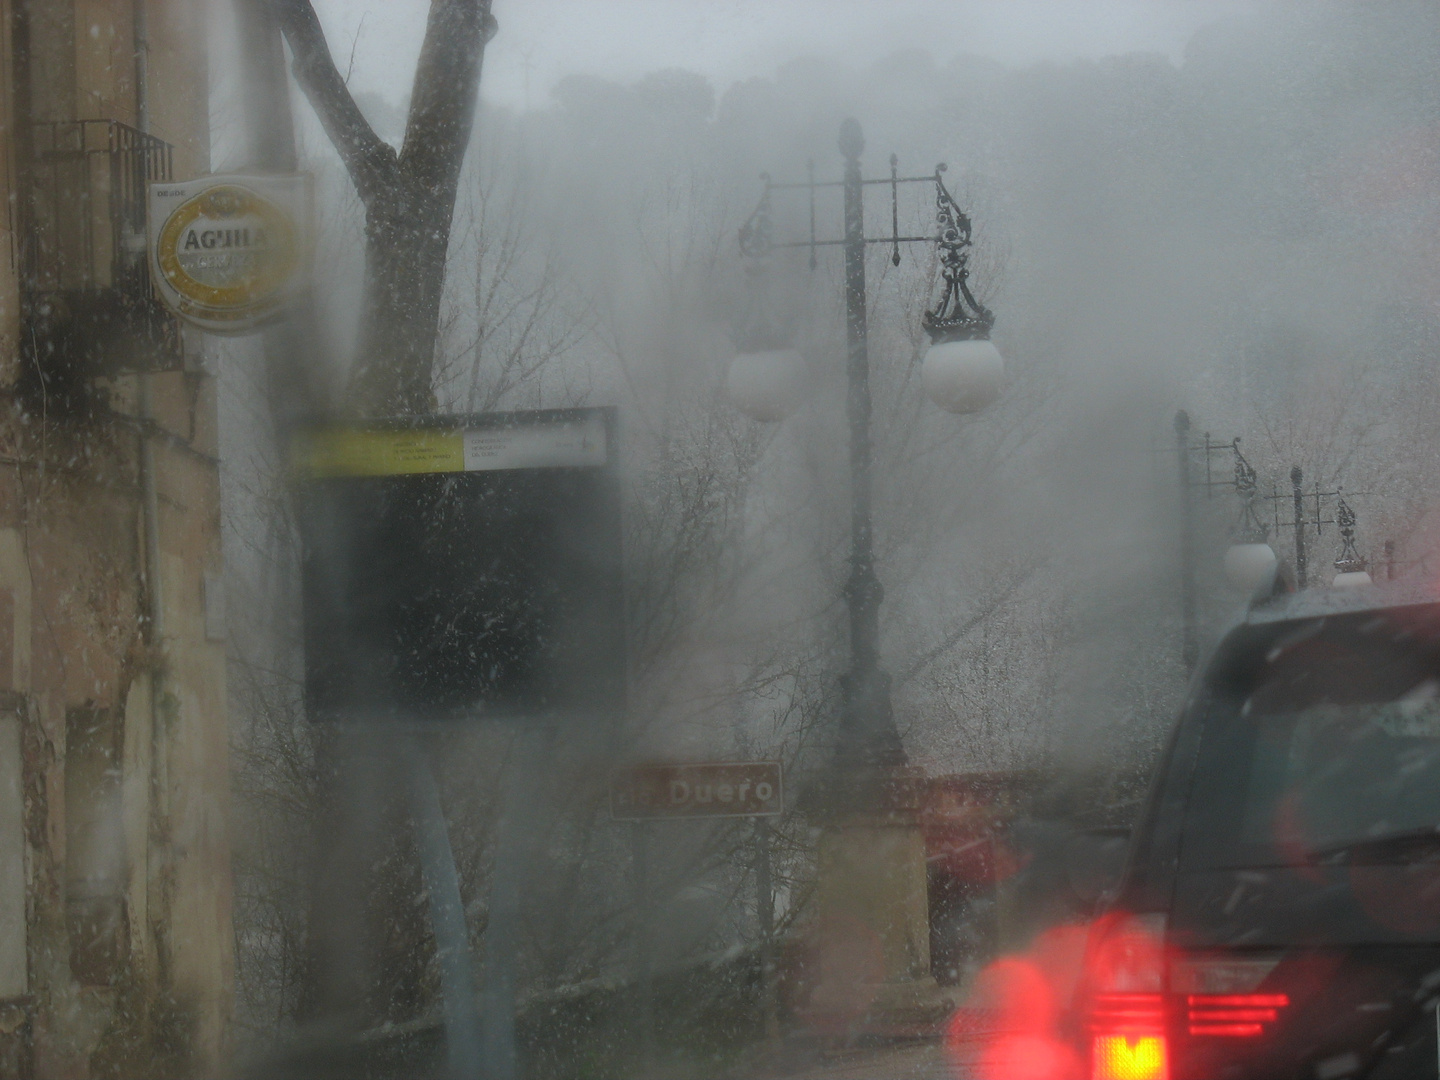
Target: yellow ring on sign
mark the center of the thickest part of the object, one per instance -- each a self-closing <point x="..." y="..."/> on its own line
<point x="228" y="200"/>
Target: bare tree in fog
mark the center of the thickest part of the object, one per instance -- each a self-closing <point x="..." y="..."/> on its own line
<point x="523" y="310"/>
<point x="409" y="196"/>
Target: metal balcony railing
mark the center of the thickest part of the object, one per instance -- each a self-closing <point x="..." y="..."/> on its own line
<point x="89" y="302"/>
<point x="91" y="182"/>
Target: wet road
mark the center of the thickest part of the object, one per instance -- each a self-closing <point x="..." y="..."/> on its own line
<point x="926" y="1061"/>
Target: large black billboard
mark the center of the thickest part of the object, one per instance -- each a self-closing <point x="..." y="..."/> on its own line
<point x="463" y="567"/>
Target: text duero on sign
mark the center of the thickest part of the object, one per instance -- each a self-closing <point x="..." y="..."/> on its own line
<point x="697" y="790"/>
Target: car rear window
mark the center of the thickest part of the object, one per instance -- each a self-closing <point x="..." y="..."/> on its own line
<point x="1321" y="737"/>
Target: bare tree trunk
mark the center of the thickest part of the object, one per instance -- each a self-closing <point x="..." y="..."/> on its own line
<point x="368" y="946"/>
<point x="409" y="197"/>
<point x="406" y="242"/>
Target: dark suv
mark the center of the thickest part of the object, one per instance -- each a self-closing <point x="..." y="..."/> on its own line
<point x="1279" y="915"/>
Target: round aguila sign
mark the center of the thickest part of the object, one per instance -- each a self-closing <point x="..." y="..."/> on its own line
<point x="227" y="250"/>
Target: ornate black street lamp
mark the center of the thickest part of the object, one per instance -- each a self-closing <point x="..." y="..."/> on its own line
<point x="1250" y="561"/>
<point x="962" y="373"/>
<point x="1351" y="567"/>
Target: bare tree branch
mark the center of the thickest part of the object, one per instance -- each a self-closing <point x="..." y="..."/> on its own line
<point x="354" y="45"/>
<point x="409" y="198"/>
<point x="370" y="161"/>
<point x="447" y="82"/>
<point x="957" y="633"/>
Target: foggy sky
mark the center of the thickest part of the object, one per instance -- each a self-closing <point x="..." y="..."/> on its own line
<point x="1164" y="227"/>
<point x="730" y="40"/>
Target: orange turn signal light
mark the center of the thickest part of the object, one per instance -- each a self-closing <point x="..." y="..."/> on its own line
<point x="1126" y="1057"/>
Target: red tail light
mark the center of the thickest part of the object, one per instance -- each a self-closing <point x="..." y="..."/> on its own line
<point x="1125" y="972"/>
<point x="1234" y="1015"/>
<point x="1128" y="1014"/>
<point x="1221" y="994"/>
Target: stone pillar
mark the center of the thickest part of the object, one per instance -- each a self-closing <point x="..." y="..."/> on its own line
<point x="872" y="875"/>
<point x="870" y="947"/>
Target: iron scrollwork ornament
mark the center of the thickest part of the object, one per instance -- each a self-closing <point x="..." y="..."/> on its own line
<point x="1350" y="560"/>
<point x="755" y="234"/>
<point x="759" y="330"/>
<point x="1250" y="529"/>
<point x="958" y="316"/>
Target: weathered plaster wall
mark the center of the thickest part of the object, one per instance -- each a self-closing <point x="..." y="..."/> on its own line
<point x="126" y="938"/>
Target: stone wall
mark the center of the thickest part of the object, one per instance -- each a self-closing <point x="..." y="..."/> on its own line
<point x="116" y="954"/>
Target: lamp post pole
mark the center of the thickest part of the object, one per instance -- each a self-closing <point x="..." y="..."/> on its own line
<point x="1189" y="646"/>
<point x="1296" y="479"/>
<point x="868" y="740"/>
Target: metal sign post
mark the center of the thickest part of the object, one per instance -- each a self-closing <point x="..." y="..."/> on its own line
<point x="670" y="792"/>
<point x="765" y="921"/>
<point x="644" y="967"/>
<point x="447" y="914"/>
<point x="502" y="931"/>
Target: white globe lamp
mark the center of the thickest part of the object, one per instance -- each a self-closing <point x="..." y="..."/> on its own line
<point x="768" y="385"/>
<point x="1250" y="566"/>
<point x="963" y="376"/>
<point x="1351" y="579"/>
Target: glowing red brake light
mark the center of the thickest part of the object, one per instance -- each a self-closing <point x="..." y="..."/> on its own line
<point x="1127" y="1040"/>
<point x="1118" y="1014"/>
<point x="1125" y="971"/>
<point x="1119" y="1057"/>
<point x="1234" y="1015"/>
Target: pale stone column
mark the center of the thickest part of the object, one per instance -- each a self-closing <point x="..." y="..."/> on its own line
<point x="872" y="874"/>
<point x="871" y="935"/>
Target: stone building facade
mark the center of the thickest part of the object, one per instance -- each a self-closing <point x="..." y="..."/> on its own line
<point x="116" y="944"/>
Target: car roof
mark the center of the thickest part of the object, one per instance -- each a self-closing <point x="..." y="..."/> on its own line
<point x="1320" y="602"/>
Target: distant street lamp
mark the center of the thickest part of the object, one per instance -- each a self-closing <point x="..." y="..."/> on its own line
<point x="1250" y="561"/>
<point x="962" y="372"/>
<point x="1352" y="567"/>
<point x="768" y="384"/>
<point x="1189" y="639"/>
<point x="1251" y="566"/>
<point x="1302" y="520"/>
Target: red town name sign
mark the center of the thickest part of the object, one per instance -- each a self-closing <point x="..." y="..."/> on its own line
<point x="716" y="789"/>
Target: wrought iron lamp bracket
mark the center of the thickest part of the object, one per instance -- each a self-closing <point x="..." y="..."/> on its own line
<point x="1315" y="518"/>
<point x="1249" y="529"/>
<point x="958" y="316"/>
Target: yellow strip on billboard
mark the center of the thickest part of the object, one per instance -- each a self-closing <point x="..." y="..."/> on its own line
<point x="371" y="452"/>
